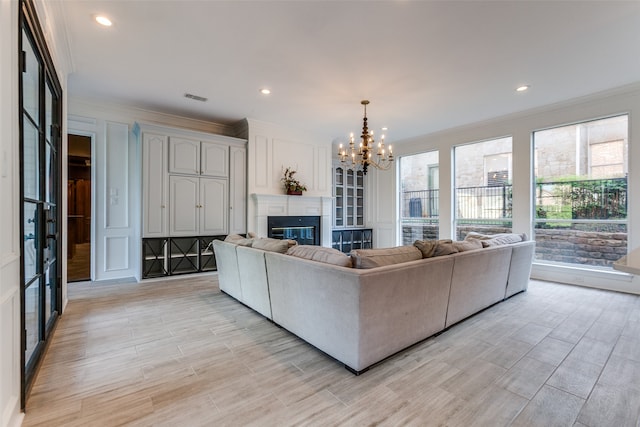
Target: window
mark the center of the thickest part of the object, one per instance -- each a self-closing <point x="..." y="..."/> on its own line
<point x="420" y="202"/>
<point x="483" y="192"/>
<point x="581" y="192"/>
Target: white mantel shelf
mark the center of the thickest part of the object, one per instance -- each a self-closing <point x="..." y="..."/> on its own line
<point x="267" y="205"/>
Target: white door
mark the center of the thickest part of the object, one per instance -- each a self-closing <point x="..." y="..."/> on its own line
<point x="214" y="206"/>
<point x="184" y="156"/>
<point x="214" y="159"/>
<point x="154" y="186"/>
<point x="184" y="217"/>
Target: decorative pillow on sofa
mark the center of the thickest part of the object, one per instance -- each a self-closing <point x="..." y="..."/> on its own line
<point x="370" y="258"/>
<point x="273" y="245"/>
<point x="432" y="248"/>
<point x="321" y="254"/>
<point x="237" y="239"/>
<point x="489" y="240"/>
<point x="467" y="245"/>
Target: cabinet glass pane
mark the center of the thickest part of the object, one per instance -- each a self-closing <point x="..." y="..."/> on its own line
<point x="207" y="256"/>
<point x="184" y="255"/>
<point x="154" y="255"/>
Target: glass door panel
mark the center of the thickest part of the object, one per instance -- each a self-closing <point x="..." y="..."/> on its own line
<point x="40" y="116"/>
<point x="30" y="79"/>
<point x="30" y="161"/>
<point x="30" y="253"/>
<point x="31" y="319"/>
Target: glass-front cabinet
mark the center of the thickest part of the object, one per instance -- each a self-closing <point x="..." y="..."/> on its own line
<point x="348" y="197"/>
<point x="348" y="210"/>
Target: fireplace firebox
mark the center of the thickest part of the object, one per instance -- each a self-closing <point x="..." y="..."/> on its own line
<point x="303" y="229"/>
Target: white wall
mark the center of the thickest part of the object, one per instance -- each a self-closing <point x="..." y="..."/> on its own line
<point x="271" y="148"/>
<point x="520" y="126"/>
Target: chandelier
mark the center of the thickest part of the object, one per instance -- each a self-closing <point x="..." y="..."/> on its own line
<point x="362" y="156"/>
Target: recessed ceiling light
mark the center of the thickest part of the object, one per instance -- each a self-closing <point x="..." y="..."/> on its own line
<point x="103" y="20"/>
<point x="522" y="88"/>
<point x="265" y="91"/>
<point x="385" y="128"/>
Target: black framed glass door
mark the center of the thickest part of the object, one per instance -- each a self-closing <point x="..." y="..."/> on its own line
<point x="40" y="109"/>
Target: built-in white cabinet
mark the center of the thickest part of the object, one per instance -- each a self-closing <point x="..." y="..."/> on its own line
<point x="191" y="157"/>
<point x="199" y="206"/>
<point x="155" y="197"/>
<point x="194" y="187"/>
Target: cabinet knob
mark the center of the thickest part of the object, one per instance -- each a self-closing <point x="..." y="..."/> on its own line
<point x="162" y="206"/>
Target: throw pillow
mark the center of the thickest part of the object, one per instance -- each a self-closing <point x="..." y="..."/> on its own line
<point x="321" y="254"/>
<point x="237" y="239"/>
<point x="370" y="258"/>
<point x="273" y="245"/>
<point x="490" y="240"/>
<point x="432" y="248"/>
<point x="468" y="245"/>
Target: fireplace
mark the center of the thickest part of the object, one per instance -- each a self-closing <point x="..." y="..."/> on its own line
<point x="303" y="229"/>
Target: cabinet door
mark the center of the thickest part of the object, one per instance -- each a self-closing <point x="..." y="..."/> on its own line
<point x="155" y="191"/>
<point x="214" y="206"/>
<point x="214" y="159"/>
<point x="183" y="194"/>
<point x="238" y="191"/>
<point x="184" y="156"/>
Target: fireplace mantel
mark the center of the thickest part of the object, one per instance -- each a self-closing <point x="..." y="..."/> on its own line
<point x="282" y="205"/>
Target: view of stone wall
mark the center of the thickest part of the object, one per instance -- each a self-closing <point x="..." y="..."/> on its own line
<point x="596" y="248"/>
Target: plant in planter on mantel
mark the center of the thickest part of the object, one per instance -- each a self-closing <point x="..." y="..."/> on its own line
<point x="291" y="184"/>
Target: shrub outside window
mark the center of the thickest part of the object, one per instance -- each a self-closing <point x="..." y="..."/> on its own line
<point x="581" y="192"/>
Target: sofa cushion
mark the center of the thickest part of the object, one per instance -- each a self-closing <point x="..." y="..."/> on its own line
<point x="370" y="258"/>
<point x="273" y="245"/>
<point x="490" y="240"/>
<point x="433" y="248"/>
<point x="238" y="240"/>
<point x="468" y="245"/>
<point x="321" y="254"/>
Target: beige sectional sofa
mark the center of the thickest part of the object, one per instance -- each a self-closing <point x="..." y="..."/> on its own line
<point x="362" y="316"/>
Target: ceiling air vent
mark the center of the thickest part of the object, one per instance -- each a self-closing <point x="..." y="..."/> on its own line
<point x="195" y="97"/>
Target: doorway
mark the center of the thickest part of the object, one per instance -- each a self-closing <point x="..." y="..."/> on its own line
<point x="79" y="208"/>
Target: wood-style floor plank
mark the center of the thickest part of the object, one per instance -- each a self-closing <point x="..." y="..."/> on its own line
<point x="179" y="352"/>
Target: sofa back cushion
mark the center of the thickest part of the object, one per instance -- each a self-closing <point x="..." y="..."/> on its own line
<point x="321" y="254"/>
<point x="273" y="245"/>
<point x="432" y="248"/>
<point x="490" y="240"/>
<point x="370" y="258"/>
<point x="237" y="239"/>
<point x="467" y="245"/>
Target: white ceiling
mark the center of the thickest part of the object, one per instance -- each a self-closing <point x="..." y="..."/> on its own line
<point x="424" y="65"/>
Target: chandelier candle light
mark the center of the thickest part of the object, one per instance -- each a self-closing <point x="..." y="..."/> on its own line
<point x="362" y="157"/>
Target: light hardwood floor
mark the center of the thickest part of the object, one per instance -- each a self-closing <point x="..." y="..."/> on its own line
<point x="181" y="353"/>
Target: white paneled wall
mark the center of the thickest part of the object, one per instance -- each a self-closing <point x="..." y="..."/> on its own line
<point x="271" y="149"/>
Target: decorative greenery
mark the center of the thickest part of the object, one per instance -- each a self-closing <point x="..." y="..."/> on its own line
<point x="290" y="182"/>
